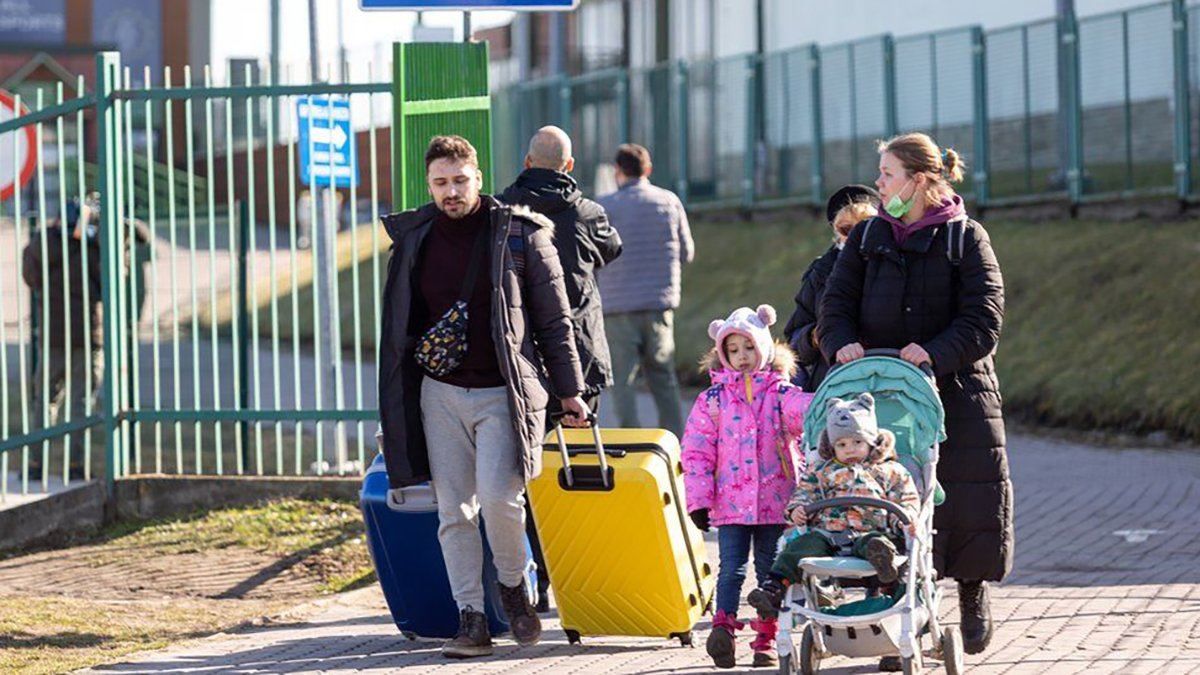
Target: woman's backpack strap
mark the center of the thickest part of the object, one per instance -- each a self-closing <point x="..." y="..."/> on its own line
<point x="956" y="236"/>
<point x="862" y="243"/>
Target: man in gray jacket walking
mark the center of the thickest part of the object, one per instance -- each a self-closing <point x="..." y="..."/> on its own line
<point x="640" y="289"/>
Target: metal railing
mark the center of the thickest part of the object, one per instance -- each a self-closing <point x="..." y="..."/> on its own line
<point x="1073" y="110"/>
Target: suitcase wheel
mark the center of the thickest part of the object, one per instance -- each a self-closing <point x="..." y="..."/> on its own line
<point x="687" y="639"/>
<point x="409" y="634"/>
<point x="573" y="636"/>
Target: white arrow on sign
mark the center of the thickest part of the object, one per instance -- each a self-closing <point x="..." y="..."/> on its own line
<point x="334" y="136"/>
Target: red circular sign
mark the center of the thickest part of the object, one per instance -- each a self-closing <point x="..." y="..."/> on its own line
<point x="21" y="142"/>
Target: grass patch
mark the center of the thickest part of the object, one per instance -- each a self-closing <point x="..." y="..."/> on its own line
<point x="151" y="583"/>
<point x="55" y="635"/>
<point x="1099" y="327"/>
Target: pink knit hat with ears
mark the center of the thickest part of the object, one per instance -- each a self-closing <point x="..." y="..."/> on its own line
<point x="754" y="324"/>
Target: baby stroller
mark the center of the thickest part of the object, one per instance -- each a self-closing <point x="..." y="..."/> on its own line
<point x="907" y="403"/>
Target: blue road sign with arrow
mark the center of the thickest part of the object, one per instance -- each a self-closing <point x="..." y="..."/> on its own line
<point x="327" y="150"/>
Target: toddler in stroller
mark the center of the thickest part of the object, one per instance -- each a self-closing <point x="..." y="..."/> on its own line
<point x="864" y="511"/>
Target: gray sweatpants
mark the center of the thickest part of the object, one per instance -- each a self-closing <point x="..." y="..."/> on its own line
<point x="475" y="468"/>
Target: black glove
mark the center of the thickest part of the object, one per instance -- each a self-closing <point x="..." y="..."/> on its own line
<point x="700" y="518"/>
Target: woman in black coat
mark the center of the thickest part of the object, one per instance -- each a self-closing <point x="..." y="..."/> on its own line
<point x="922" y="278"/>
<point x="847" y="206"/>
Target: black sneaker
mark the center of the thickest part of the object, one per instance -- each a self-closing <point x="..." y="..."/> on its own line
<point x="768" y="598"/>
<point x="881" y="553"/>
<point x="975" y="615"/>
<point x="473" y="637"/>
<point x="891" y="664"/>
<point x="524" y="621"/>
<point x="722" y="647"/>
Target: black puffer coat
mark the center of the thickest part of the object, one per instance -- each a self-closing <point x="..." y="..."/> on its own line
<point x="586" y="242"/>
<point x="531" y="329"/>
<point x="912" y="293"/>
<point x="802" y="327"/>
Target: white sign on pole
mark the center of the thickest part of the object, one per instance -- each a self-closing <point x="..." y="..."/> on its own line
<point x="20" y="144"/>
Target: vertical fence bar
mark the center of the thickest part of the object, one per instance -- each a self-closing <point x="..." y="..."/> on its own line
<point x="4" y="421"/>
<point x="316" y="313"/>
<point x="106" y="65"/>
<point x="818" y="133"/>
<point x="354" y="274"/>
<point x="334" y="335"/>
<point x="933" y="86"/>
<point x="236" y="265"/>
<point x="890" y="120"/>
<point x="1028" y="124"/>
<point x="172" y="223"/>
<point x="23" y="355"/>
<point x="189" y="146"/>
<point x="134" y="343"/>
<point x="121" y="278"/>
<point x="750" y="156"/>
<point x="296" y="369"/>
<point x="44" y="367"/>
<point x="623" y="107"/>
<point x="65" y="227"/>
<point x="242" y="368"/>
<point x="152" y="216"/>
<point x="1070" y="107"/>
<point x="682" y="106"/>
<point x="273" y="244"/>
<point x="982" y="159"/>
<point x="214" y="338"/>
<point x="89" y="355"/>
<point x="564" y="103"/>
<point x="251" y="290"/>
<point x="850" y="73"/>
<point x="1128" y="102"/>
<point x="375" y="285"/>
<point x="1183" y="114"/>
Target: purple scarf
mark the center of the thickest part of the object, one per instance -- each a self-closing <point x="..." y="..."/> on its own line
<point x="948" y="210"/>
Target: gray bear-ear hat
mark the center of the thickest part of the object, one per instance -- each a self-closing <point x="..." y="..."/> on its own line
<point x="851" y="419"/>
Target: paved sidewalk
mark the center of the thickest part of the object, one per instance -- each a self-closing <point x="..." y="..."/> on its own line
<point x="1106" y="581"/>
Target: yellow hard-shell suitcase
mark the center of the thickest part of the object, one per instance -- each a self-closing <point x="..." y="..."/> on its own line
<point x="623" y="556"/>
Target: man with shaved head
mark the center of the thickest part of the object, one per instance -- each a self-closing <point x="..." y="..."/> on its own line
<point x="585" y="242"/>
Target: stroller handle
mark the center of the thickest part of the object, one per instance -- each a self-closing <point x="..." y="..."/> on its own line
<point x="926" y="368"/>
<point x="814" y="508"/>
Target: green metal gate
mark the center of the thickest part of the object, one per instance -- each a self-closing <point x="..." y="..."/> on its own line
<point x="212" y="356"/>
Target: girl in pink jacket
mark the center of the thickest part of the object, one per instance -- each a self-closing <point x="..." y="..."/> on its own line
<point x="741" y="457"/>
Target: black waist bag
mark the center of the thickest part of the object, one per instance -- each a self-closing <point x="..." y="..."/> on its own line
<point x="443" y="347"/>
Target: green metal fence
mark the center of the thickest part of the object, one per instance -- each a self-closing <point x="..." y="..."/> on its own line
<point x="211" y="360"/>
<point x="237" y="337"/>
<point x="1073" y="110"/>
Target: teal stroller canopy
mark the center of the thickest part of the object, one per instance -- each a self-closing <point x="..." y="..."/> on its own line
<point x="906" y="403"/>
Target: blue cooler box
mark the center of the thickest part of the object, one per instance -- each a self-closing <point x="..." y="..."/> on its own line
<point x="402" y="538"/>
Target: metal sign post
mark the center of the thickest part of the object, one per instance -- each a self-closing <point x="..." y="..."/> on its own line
<point x="328" y="160"/>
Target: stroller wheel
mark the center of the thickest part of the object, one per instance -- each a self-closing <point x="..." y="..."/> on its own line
<point x="952" y="650"/>
<point x="810" y="658"/>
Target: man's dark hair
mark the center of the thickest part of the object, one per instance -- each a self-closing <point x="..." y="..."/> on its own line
<point x="633" y="160"/>
<point x="452" y="147"/>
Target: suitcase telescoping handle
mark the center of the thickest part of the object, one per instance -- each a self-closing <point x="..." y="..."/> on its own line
<point x="566" y="456"/>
